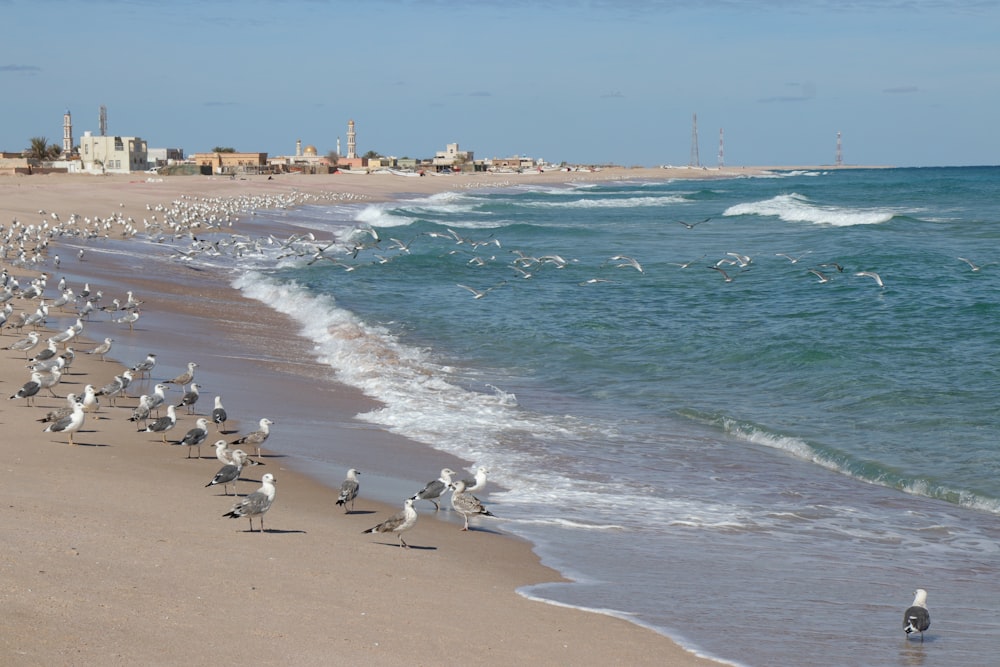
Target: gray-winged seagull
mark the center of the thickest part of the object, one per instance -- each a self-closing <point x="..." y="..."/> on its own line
<point x="917" y="618"/>
<point x="196" y="436"/>
<point x="398" y="523"/>
<point x="70" y="424"/>
<point x="466" y="504"/>
<point x="349" y="489"/>
<point x="256" y="504"/>
<point x="256" y="438"/>
<point x="229" y="473"/>
<point x="434" y="489"/>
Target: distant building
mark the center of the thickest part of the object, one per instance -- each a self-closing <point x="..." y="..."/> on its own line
<point x="114" y="155"/>
<point x="453" y="158"/>
<point x="232" y="163"/>
<point x="516" y="163"/>
<point x="161" y="157"/>
<point x="305" y="161"/>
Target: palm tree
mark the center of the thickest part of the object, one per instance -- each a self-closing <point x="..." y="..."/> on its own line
<point x="42" y="150"/>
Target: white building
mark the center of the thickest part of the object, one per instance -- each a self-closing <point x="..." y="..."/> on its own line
<point x="114" y="155"/>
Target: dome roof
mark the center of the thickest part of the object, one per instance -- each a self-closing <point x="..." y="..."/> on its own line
<point x="309" y="150"/>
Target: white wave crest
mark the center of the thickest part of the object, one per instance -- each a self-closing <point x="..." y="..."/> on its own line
<point x="797" y="208"/>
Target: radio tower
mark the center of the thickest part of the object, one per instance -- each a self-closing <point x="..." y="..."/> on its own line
<point x="103" y="121"/>
<point x="722" y="152"/>
<point x="695" y="160"/>
<point x="840" y="153"/>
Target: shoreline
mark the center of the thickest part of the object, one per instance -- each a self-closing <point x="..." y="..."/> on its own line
<point x="138" y="476"/>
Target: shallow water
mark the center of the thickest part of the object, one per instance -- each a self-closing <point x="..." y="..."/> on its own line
<point x="763" y="469"/>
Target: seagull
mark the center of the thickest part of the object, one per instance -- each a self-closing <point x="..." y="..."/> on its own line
<point x="433" y="490"/>
<point x="49" y="352"/>
<point x="256" y="504"/>
<point x="691" y="225"/>
<point x="219" y="415"/>
<point x="478" y="482"/>
<point x="725" y="275"/>
<point x="112" y="389"/>
<point x="229" y="473"/>
<point x="874" y="276"/>
<point x="102" y="349"/>
<point x="479" y="294"/>
<point x="190" y="398"/>
<point x="974" y="267"/>
<point x="793" y="260"/>
<point x="25" y="344"/>
<point x="164" y="424"/>
<point x="398" y="523"/>
<point x="185" y="377"/>
<point x="917" y="618"/>
<point x="157" y="398"/>
<point x="256" y="438"/>
<point x="140" y="413"/>
<point x="129" y="318"/>
<point x="466" y="504"/>
<point x="349" y="489"/>
<point x="59" y="413"/>
<point x="29" y="389"/>
<point x="69" y="424"/>
<point x="823" y="278"/>
<point x="626" y="262"/>
<point x="196" y="436"/>
<point x="145" y="366"/>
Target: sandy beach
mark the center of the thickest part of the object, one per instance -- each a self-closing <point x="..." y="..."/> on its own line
<point x="117" y="553"/>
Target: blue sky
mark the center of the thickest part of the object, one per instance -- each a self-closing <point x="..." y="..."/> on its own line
<point x="906" y="82"/>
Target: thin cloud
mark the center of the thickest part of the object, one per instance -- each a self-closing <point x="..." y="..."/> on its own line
<point x="901" y="90"/>
<point x="806" y="91"/>
<point x="220" y="104"/>
<point x="29" y="69"/>
<point x="481" y="93"/>
<point x="612" y="94"/>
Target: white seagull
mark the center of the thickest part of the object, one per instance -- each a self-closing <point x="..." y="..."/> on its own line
<point x="229" y="473"/>
<point x="256" y="438"/>
<point x="196" y="436"/>
<point x="69" y="424"/>
<point x="164" y="424"/>
<point x="349" y="489"/>
<point x="466" y="504"/>
<point x="398" y="523"/>
<point x="917" y="618"/>
<point x="433" y="490"/>
<point x="256" y="504"/>
<point x="871" y="274"/>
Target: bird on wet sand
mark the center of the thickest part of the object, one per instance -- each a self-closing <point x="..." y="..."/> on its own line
<point x="256" y="438"/>
<point x="433" y="490"/>
<point x="164" y="424"/>
<point x="398" y="523"/>
<point x="195" y="436"/>
<point x="349" y="489"/>
<point x="467" y="504"/>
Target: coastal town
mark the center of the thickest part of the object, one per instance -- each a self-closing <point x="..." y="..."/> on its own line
<point x="107" y="153"/>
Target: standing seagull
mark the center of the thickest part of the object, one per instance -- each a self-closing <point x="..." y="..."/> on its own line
<point x="349" y="489"/>
<point x="184" y="378"/>
<point x="230" y="473"/>
<point x="29" y="389"/>
<point x="917" y="618"/>
<point x="164" y="424"/>
<point x="434" y="489"/>
<point x="466" y="504"/>
<point x="219" y="415"/>
<point x="478" y="482"/>
<point x="256" y="504"/>
<point x="196" y="436"/>
<point x="145" y="366"/>
<point x="398" y="523"/>
<point x="102" y="349"/>
<point x="256" y="438"/>
<point x="69" y="424"/>
<point x="190" y="398"/>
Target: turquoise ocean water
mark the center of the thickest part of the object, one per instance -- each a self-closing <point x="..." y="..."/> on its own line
<point x="763" y="463"/>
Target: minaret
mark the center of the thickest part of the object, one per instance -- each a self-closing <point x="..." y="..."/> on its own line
<point x="839" y="159"/>
<point x="67" y="133"/>
<point x="722" y="149"/>
<point x="695" y="160"/>
<point x="351" y="154"/>
<point x="298" y="148"/>
<point x="102" y="121"/>
<point x="338" y="147"/>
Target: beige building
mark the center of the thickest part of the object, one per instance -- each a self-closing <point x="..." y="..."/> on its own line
<point x="115" y="155"/>
<point x="232" y="163"/>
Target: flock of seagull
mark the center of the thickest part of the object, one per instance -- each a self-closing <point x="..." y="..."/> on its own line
<point x="27" y="246"/>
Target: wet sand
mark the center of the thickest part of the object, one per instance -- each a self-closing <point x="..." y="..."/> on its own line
<point x="117" y="553"/>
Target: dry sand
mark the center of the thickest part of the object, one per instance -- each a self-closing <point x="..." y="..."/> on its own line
<point x="115" y="553"/>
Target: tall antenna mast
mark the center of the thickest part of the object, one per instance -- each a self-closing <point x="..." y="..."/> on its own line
<point x="840" y="152"/>
<point x="722" y="152"/>
<point x="103" y="123"/>
<point x="695" y="160"/>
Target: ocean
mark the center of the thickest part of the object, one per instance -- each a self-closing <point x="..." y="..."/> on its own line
<point x="753" y="414"/>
